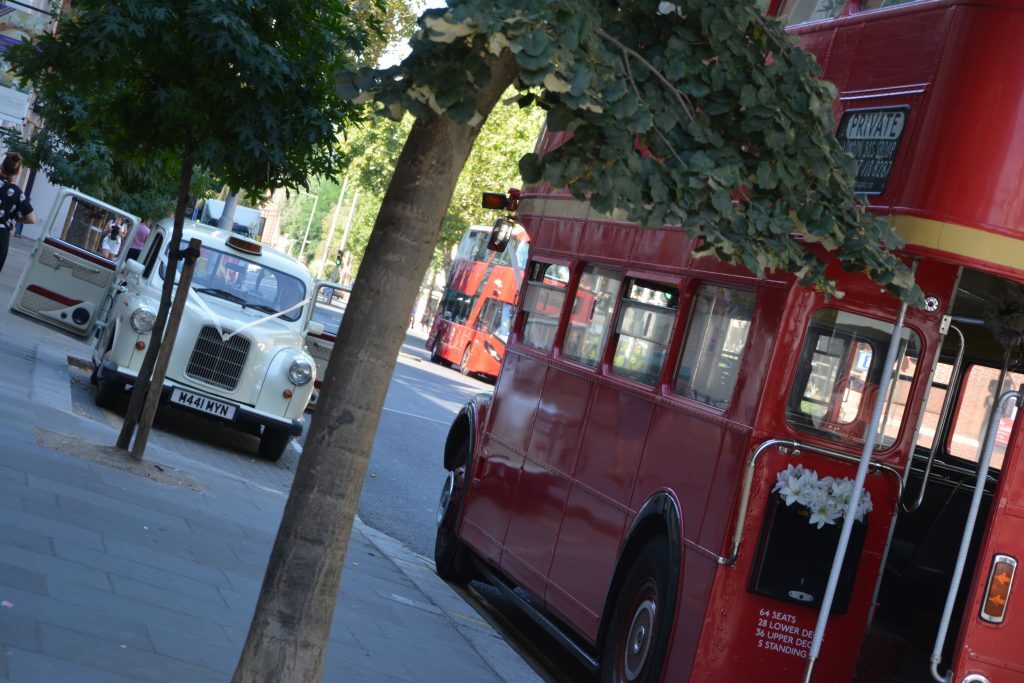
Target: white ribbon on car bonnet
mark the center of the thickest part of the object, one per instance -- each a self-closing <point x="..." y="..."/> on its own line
<point x="228" y="335"/>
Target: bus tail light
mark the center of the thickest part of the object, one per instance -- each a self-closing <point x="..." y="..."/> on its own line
<point x="1000" y="580"/>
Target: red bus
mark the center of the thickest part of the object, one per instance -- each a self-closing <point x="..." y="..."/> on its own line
<point x="664" y="473"/>
<point x="474" y="316"/>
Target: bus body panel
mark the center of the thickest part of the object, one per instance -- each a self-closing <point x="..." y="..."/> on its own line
<point x="994" y="649"/>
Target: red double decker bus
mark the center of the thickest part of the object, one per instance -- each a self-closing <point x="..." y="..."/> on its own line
<point x="473" y="318"/>
<point x="670" y="465"/>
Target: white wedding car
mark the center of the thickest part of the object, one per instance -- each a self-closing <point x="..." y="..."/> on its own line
<point x="240" y="352"/>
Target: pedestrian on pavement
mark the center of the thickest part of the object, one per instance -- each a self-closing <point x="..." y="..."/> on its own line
<point x="14" y="205"/>
<point x="111" y="244"/>
<point x="141" y="233"/>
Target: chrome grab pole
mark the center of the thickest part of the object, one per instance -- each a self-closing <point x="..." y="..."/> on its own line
<point x="940" y="424"/>
<point x="972" y="517"/>
<point x="858" y="487"/>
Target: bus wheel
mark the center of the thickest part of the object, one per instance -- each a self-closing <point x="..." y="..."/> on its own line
<point x="464" y="368"/>
<point x="637" y="636"/>
<point x="451" y="559"/>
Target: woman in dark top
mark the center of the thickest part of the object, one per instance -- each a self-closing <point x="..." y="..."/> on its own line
<point x="14" y="205"/>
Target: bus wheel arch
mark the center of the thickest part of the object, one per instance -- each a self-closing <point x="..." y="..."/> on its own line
<point x="643" y="595"/>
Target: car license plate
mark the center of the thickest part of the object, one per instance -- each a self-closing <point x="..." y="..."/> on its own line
<point x="202" y="403"/>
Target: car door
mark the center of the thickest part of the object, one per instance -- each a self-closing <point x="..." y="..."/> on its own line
<point x="68" y="284"/>
<point x="329" y="302"/>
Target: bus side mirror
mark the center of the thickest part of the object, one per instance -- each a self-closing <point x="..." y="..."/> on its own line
<point x="501" y="233"/>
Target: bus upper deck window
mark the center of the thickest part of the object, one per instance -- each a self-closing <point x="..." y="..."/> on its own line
<point x="644" y="329"/>
<point x="542" y="304"/>
<point x="591" y="318"/>
<point x="715" y="338"/>
<point x="838" y="374"/>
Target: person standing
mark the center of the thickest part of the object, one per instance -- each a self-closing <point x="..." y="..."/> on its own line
<point x="139" y="241"/>
<point x="14" y="205"/>
<point x="111" y="244"/>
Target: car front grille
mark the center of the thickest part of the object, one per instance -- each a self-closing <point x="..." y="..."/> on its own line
<point x="218" y="362"/>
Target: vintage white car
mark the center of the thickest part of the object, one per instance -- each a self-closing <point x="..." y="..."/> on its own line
<point x="240" y="352"/>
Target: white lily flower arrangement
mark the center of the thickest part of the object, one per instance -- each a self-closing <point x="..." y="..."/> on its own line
<point x="827" y="499"/>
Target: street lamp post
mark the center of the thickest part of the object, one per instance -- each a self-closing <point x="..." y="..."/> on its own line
<point x="309" y="223"/>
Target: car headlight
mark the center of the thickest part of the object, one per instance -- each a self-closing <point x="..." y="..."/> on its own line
<point x="143" y="320"/>
<point x="300" y="373"/>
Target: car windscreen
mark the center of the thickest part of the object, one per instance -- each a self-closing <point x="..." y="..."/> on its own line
<point x="231" y="277"/>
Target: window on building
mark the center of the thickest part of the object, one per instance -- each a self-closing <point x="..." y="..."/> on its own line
<point x="542" y="304"/>
<point x="591" y="318"/>
<point x="715" y="338"/>
<point x="838" y="373"/>
<point x="644" y="330"/>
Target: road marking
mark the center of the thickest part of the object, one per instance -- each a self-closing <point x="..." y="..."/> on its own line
<point x="422" y="417"/>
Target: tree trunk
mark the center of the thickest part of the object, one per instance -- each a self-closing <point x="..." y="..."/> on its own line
<point x="164" y="357"/>
<point x="288" y="636"/>
<point x="142" y="385"/>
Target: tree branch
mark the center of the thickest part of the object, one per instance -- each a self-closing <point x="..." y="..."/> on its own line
<point x="684" y="102"/>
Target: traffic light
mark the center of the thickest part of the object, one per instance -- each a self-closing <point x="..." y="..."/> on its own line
<point x="338" y="257"/>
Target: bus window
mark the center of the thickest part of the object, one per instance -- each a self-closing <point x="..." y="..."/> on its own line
<point x="542" y="304"/>
<point x="802" y="11"/>
<point x="715" y="338"/>
<point x="866" y="5"/>
<point x="978" y="394"/>
<point x="591" y="317"/>
<point x="933" y="405"/>
<point x="495" y="318"/>
<point x="838" y="374"/>
<point x="644" y="329"/>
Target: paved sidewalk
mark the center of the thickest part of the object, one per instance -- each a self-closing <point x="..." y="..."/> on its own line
<point x="115" y="572"/>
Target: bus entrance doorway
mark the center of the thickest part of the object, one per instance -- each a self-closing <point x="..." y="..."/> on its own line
<point x="980" y="360"/>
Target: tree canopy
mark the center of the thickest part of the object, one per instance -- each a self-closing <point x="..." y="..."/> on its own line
<point x="698" y="113"/>
<point x="249" y="85"/>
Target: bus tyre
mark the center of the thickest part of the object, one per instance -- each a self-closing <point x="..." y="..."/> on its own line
<point x="464" y="368"/>
<point x="108" y="393"/>
<point x="451" y="558"/>
<point x="273" y="443"/>
<point x="637" y="635"/>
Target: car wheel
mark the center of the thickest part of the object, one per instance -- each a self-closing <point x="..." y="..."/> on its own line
<point x="451" y="558"/>
<point x="464" y="368"/>
<point x="637" y="635"/>
<point x="273" y="443"/>
<point x="108" y="393"/>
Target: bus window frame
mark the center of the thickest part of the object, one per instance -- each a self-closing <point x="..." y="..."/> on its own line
<point x="686" y="300"/>
<point x="813" y="435"/>
<point x="516" y="337"/>
<point x="603" y="360"/>
<point x="671" y="347"/>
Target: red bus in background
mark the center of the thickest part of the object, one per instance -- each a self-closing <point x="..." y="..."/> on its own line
<point x="671" y="444"/>
<point x="471" y="326"/>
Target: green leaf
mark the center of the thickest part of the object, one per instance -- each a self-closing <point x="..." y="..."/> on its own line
<point x="530" y="168"/>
